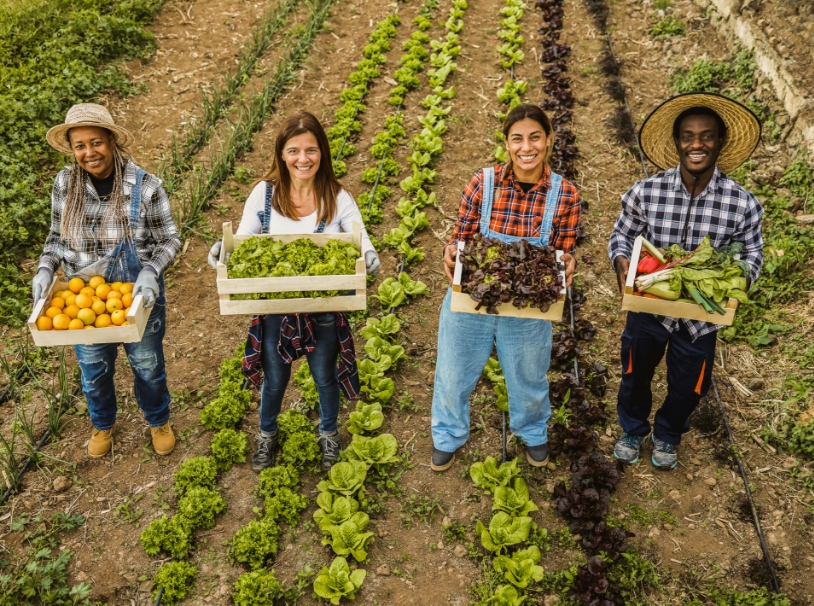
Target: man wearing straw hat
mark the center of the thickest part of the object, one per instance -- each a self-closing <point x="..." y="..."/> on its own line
<point x="695" y="139"/>
<point x="112" y="219"/>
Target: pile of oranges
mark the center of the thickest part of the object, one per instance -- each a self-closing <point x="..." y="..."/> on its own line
<point x="96" y="304"/>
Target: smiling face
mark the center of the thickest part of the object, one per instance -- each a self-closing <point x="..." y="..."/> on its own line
<point x="93" y="149"/>
<point x="302" y="157"/>
<point x="527" y="144"/>
<point x="698" y="143"/>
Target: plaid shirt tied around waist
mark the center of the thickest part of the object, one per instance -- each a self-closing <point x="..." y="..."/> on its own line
<point x="296" y="340"/>
<point x="517" y="213"/>
<point x="156" y="236"/>
<point x="658" y="207"/>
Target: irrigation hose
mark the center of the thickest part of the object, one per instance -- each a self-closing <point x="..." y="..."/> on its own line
<point x="755" y="518"/>
<point x="160" y="595"/>
<point x="7" y="391"/>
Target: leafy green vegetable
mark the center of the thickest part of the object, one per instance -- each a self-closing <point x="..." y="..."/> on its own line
<point x="175" y="578"/>
<point x="338" y="581"/>
<point x="255" y="543"/>
<point x="386" y="328"/>
<point x="286" y="506"/>
<point x="195" y="472"/>
<point x="300" y="449"/>
<point x="413" y="288"/>
<point x="390" y="294"/>
<point x="257" y="588"/>
<point x="273" y="479"/>
<point x="345" y="478"/>
<point x="227" y="409"/>
<point x="308" y="387"/>
<point x="378" y="451"/>
<point x="291" y="422"/>
<point x="349" y="538"/>
<point x="489" y="476"/>
<point x="506" y="595"/>
<point x="514" y="499"/>
<point x="385" y="354"/>
<point x="200" y="506"/>
<point x="229" y="447"/>
<point x="504" y="531"/>
<point x="171" y="535"/>
<point x="366" y="418"/>
<point x="522" y="568"/>
<point x="376" y="387"/>
<point x="335" y="510"/>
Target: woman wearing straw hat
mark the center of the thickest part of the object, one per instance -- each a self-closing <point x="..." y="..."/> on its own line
<point x="695" y="139"/>
<point x="112" y="219"/>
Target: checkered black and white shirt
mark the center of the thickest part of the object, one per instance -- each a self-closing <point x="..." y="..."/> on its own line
<point x="657" y="208"/>
<point x="156" y="236"/>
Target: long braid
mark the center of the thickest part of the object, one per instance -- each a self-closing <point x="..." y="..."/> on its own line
<point x="73" y="214"/>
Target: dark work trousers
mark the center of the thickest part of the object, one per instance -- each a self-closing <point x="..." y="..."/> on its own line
<point x="689" y="373"/>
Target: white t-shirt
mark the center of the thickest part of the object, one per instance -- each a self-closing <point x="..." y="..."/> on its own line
<point x="346" y="213"/>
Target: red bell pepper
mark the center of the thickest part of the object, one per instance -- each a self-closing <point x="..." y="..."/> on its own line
<point x="647" y="265"/>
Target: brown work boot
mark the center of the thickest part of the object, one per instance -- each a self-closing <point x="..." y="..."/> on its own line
<point x="163" y="439"/>
<point x="100" y="442"/>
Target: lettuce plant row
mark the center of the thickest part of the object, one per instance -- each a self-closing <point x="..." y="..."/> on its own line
<point x="194" y="484"/>
<point x="511" y="93"/>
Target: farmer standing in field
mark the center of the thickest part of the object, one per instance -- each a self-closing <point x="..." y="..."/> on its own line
<point x="700" y="137"/>
<point x="112" y="219"/>
<point x="521" y="199"/>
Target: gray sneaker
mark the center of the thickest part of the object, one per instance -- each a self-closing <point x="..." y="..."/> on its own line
<point x="627" y="448"/>
<point x="330" y="447"/>
<point x="263" y="457"/>
<point x="664" y="454"/>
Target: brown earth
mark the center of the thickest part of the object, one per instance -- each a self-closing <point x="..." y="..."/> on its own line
<point x="681" y="519"/>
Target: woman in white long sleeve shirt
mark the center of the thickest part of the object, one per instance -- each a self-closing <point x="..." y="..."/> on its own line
<point x="300" y="194"/>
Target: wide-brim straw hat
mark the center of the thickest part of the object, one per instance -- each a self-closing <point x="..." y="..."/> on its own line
<point x="742" y="137"/>
<point x="86" y="114"/>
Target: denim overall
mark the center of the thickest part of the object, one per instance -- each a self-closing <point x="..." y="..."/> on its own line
<point x="321" y="361"/>
<point x="465" y="342"/>
<point x="146" y="357"/>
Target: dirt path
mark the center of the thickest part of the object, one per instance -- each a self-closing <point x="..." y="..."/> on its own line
<point x="689" y="522"/>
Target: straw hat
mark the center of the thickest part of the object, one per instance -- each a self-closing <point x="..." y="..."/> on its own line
<point x="743" y="130"/>
<point x="86" y="114"/>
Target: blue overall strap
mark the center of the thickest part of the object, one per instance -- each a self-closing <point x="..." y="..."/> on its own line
<point x="487" y="198"/>
<point x="266" y="220"/>
<point x="135" y="201"/>
<point x="552" y="200"/>
<point x="320" y="228"/>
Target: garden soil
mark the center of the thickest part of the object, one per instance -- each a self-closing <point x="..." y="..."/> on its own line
<point x="689" y="522"/>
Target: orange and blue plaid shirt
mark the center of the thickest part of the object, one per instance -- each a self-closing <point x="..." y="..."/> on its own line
<point x="519" y="213"/>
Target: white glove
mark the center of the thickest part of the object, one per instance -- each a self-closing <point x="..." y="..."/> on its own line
<point x="372" y="263"/>
<point x="147" y="287"/>
<point x="40" y="284"/>
<point x="214" y="254"/>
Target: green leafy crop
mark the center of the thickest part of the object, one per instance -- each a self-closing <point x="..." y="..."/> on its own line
<point x="227" y="409"/>
<point x="489" y="475"/>
<point x="273" y="479"/>
<point x="291" y="422"/>
<point x="255" y="543"/>
<point x="522" y="568"/>
<point x="335" y="510"/>
<point x="345" y="478"/>
<point x="195" y="472"/>
<point x="387" y="328"/>
<point x="514" y="499"/>
<point x="385" y="354"/>
<point x="175" y="578"/>
<point x="286" y="505"/>
<point x="349" y="538"/>
<point x="228" y="447"/>
<point x="365" y="419"/>
<point x="257" y="588"/>
<point x="338" y="581"/>
<point x="308" y="387"/>
<point x="300" y="449"/>
<point x="504" y="531"/>
<point x="170" y="535"/>
<point x="379" y="451"/>
<point x="200" y="506"/>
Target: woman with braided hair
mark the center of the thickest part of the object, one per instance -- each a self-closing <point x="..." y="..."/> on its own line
<point x="112" y="219"/>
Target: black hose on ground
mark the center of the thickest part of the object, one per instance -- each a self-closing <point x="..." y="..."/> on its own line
<point x="7" y="391"/>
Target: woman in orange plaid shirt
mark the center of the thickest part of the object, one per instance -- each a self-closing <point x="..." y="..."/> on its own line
<point x="520" y="199"/>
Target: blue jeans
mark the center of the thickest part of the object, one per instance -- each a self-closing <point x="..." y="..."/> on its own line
<point x="277" y="373"/>
<point x="689" y="376"/>
<point x="98" y="364"/>
<point x="465" y="343"/>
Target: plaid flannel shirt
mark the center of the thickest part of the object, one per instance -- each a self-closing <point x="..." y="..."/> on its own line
<point x="156" y="236"/>
<point x="657" y="208"/>
<point x="517" y="213"/>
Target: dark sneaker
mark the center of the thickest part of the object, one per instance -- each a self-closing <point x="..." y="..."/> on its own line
<point x="537" y="456"/>
<point x="330" y="447"/>
<point x="627" y="448"/>
<point x="263" y="457"/>
<point x="664" y="454"/>
<point x="441" y="461"/>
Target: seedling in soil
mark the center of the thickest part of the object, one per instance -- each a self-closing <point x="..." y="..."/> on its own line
<point x="130" y="515"/>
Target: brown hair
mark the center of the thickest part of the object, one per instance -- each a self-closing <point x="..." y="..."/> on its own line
<point x="533" y="112"/>
<point x="326" y="185"/>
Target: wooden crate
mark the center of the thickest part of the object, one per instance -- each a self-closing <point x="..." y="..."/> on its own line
<point x="229" y="286"/>
<point x="137" y="317"/>
<point x="662" y="307"/>
<point x="462" y="302"/>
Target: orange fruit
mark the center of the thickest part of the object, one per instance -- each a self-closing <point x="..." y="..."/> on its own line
<point x="87" y="291"/>
<point x="126" y="288"/>
<point x="87" y="316"/>
<point x="75" y="285"/>
<point x="58" y="302"/>
<point x="125" y="323"/>
<point x="70" y="299"/>
<point x="52" y="312"/>
<point x="83" y="301"/>
<point x="61" y="322"/>
<point x="102" y="320"/>
<point x="71" y="311"/>
<point x="114" y="304"/>
<point x="44" y="323"/>
<point x="76" y="324"/>
<point x="114" y="294"/>
<point x="89" y="326"/>
<point x="62" y="294"/>
<point x="98" y="306"/>
<point x="102" y="291"/>
<point x="127" y="299"/>
<point x="118" y="317"/>
<point x="96" y="281"/>
<point x="117" y="286"/>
